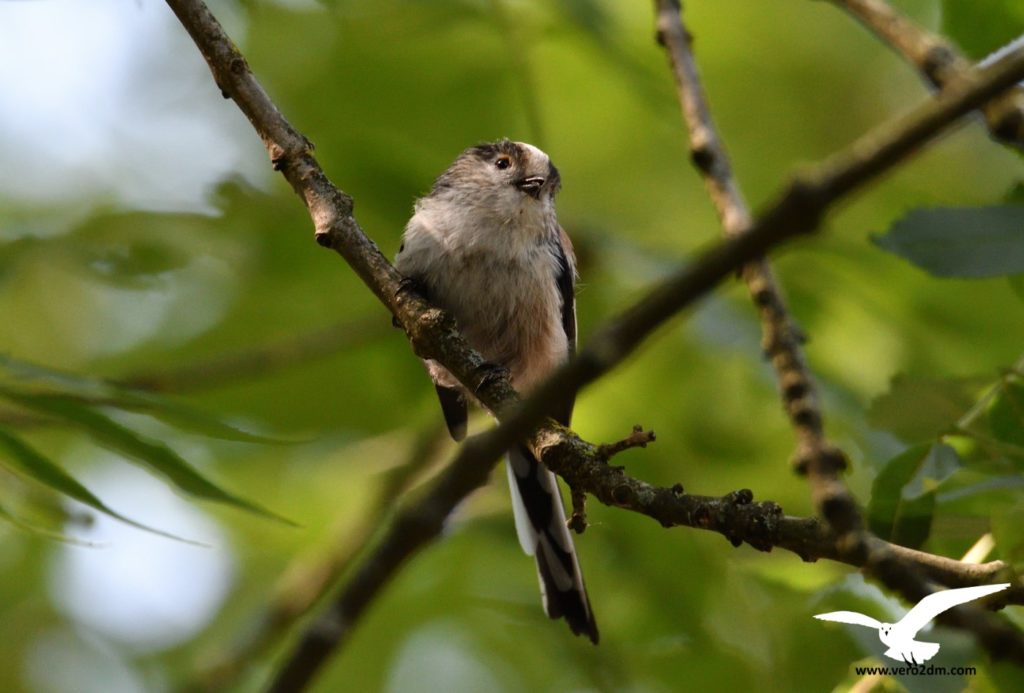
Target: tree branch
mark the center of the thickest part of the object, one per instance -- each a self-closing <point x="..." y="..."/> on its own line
<point x="781" y="339"/>
<point x="434" y="335"/>
<point x="939" y="62"/>
<point x="308" y="579"/>
<point x="821" y="460"/>
<point x="735" y="516"/>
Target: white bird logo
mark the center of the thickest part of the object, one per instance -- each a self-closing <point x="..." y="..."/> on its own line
<point x="900" y="636"/>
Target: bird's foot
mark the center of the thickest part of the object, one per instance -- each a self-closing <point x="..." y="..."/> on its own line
<point x="489" y="374"/>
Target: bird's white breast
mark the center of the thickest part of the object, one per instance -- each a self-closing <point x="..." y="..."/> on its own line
<point x="496" y="273"/>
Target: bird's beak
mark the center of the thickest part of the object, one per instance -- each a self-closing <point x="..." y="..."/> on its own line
<point x="531" y="185"/>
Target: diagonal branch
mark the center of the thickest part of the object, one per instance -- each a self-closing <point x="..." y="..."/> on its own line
<point x="434" y="335"/>
<point x="939" y="62"/>
<point x="822" y="461"/>
<point x="308" y="578"/>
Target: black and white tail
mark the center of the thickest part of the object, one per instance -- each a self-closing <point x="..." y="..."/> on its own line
<point x="540" y="523"/>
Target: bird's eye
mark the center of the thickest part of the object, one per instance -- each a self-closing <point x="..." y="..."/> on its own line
<point x="503" y="162"/>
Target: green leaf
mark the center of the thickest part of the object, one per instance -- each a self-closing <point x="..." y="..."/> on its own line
<point x="918" y="409"/>
<point x="960" y="242"/>
<point x="981" y="26"/>
<point x="186" y="418"/>
<point x="989" y="488"/>
<point x="70" y="383"/>
<point x="165" y="409"/>
<point x="1006" y="526"/>
<point x="903" y="494"/>
<point x="155" y="456"/>
<point x="23" y="524"/>
<point x="1006" y="417"/>
<point x="24" y="459"/>
<point x="941" y="462"/>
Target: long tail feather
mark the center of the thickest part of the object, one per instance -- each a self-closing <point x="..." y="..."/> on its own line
<point x="540" y="523"/>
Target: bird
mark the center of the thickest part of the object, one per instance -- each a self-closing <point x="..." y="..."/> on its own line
<point x="900" y="636"/>
<point x="485" y="245"/>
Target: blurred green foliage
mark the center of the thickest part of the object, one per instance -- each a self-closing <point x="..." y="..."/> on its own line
<point x="979" y="27"/>
<point x="920" y="376"/>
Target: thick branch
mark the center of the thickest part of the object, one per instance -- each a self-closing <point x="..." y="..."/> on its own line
<point x="308" y="578"/>
<point x="821" y="460"/>
<point x="939" y="62"/>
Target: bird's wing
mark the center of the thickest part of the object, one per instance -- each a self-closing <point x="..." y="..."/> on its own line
<point x="453" y="402"/>
<point x="566" y="281"/>
<point x="851" y="617"/>
<point x="934" y="604"/>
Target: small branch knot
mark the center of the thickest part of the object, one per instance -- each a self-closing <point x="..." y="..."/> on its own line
<point x="838" y="508"/>
<point x="744" y="496"/>
<point x="794" y="385"/>
<point x="936" y="61"/>
<point x="805" y="414"/>
<point x="825" y="459"/>
<point x="764" y="297"/>
<point x="622" y="494"/>
<point x="702" y="154"/>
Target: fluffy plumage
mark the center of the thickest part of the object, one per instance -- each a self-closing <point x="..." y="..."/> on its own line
<point x="486" y="246"/>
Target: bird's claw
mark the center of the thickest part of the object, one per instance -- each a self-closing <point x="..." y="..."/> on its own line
<point x="490" y="373"/>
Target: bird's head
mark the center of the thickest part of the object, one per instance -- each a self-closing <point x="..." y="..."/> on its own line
<point x="508" y="172"/>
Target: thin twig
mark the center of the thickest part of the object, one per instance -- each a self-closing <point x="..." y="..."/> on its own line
<point x="939" y="62"/>
<point x="638" y="438"/>
<point x="781" y="339"/>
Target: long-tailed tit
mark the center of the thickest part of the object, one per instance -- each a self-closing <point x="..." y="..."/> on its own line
<point x="485" y="245"/>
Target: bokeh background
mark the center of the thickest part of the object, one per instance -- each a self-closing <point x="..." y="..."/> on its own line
<point x="142" y="232"/>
